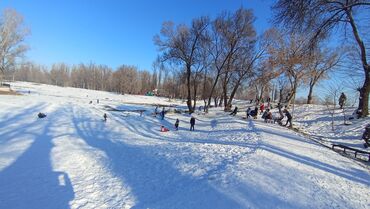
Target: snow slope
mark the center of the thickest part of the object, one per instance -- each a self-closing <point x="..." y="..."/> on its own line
<point x="72" y="159"/>
<point x="316" y="120"/>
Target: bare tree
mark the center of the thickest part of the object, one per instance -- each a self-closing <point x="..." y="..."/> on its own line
<point x="12" y="36"/>
<point x="320" y="64"/>
<point x="230" y="34"/>
<point x="319" y="18"/>
<point x="290" y="56"/>
<point x="182" y="45"/>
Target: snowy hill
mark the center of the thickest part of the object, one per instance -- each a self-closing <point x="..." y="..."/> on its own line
<point x="73" y="159"/>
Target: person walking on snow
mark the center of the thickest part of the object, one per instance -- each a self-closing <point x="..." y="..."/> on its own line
<point x="289" y="118"/>
<point x="177" y="124"/>
<point x="192" y="123"/>
<point x="162" y="114"/>
<point x="342" y="100"/>
<point x="105" y="117"/>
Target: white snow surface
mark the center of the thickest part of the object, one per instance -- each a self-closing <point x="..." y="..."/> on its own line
<point x="73" y="159"/>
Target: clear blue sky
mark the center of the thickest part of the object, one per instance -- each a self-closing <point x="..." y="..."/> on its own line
<point x="112" y="32"/>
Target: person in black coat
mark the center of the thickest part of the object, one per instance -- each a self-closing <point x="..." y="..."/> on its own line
<point x="289" y="118"/>
<point x="177" y="124"/>
<point x="235" y="111"/>
<point x="162" y="114"/>
<point x="192" y="123"/>
<point x="105" y="117"/>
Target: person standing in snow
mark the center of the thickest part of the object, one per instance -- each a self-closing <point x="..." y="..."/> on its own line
<point x="248" y="111"/>
<point x="342" y="100"/>
<point x="156" y="111"/>
<point x="162" y="114"/>
<point x="262" y="107"/>
<point x="177" y="124"/>
<point x="105" y="117"/>
<point x="192" y="123"/>
<point x="289" y="118"/>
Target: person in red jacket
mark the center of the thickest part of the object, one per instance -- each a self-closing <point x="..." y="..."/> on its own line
<point x="262" y="108"/>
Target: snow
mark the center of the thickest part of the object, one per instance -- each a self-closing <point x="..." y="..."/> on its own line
<point x="73" y="159"/>
<point x="316" y="121"/>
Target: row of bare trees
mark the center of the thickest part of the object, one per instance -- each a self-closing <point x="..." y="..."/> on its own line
<point x="217" y="60"/>
<point x="223" y="55"/>
<point x="126" y="79"/>
<point x="216" y="56"/>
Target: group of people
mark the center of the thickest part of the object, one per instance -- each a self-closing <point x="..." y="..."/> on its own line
<point x="177" y="123"/>
<point x="267" y="114"/>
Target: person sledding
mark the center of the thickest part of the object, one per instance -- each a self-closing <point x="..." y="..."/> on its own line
<point x="41" y="115"/>
<point x="164" y="129"/>
<point x="235" y="111"/>
<point x="254" y="113"/>
<point x="267" y="116"/>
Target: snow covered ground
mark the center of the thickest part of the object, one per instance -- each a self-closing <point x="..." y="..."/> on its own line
<point x="73" y="159"/>
<point x="316" y="120"/>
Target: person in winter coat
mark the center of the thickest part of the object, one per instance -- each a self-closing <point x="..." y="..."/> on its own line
<point x="105" y="117"/>
<point x="162" y="114"/>
<point x="192" y="123"/>
<point x="235" y="111"/>
<point x="41" y="115"/>
<point x="164" y="129"/>
<point x="248" y="112"/>
<point x="254" y="113"/>
<point x="366" y="136"/>
<point x="177" y="124"/>
<point x="262" y="108"/>
<point x="289" y="118"/>
<point x="342" y="100"/>
<point x="267" y="116"/>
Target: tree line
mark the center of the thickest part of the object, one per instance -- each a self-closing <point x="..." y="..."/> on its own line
<point x="216" y="60"/>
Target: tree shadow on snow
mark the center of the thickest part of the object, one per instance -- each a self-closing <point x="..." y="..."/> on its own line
<point x="153" y="180"/>
<point x="30" y="182"/>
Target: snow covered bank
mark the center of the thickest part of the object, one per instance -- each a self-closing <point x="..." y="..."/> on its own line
<point x="72" y="159"/>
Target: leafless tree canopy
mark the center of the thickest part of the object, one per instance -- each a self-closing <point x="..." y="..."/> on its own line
<point x="12" y="35"/>
<point x="319" y="18"/>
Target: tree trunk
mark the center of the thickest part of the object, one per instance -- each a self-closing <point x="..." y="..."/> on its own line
<point x="215" y="100"/>
<point x="233" y="92"/>
<point x="212" y="90"/>
<point x="220" y="101"/>
<point x="195" y="94"/>
<point x="309" y="97"/>
<point x="281" y="95"/>
<point x="224" y="92"/>
<point x="188" y="102"/>
<point x="363" y="104"/>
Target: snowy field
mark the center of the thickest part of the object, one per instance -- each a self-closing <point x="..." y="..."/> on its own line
<point x="73" y="159"/>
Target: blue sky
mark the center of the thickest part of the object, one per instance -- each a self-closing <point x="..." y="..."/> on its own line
<point x="113" y="32"/>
